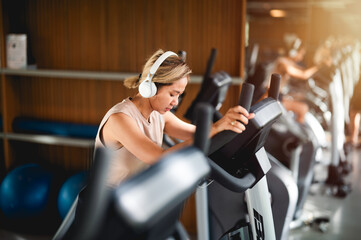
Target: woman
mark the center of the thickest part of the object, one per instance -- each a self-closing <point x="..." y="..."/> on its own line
<point x="288" y="67"/>
<point x="134" y="128"/>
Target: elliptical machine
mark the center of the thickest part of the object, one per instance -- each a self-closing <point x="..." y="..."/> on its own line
<point x="213" y="89"/>
<point x="146" y="206"/>
<point x="247" y="147"/>
<point x="226" y="200"/>
<point x="296" y="146"/>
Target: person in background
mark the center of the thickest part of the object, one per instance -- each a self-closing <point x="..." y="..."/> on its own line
<point x="355" y="110"/>
<point x="287" y="66"/>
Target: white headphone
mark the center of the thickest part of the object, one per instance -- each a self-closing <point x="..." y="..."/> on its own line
<point x="295" y="46"/>
<point x="147" y="88"/>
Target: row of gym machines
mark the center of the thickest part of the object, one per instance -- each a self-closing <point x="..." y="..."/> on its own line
<point x="334" y="88"/>
<point x="148" y="205"/>
<point x="295" y="148"/>
<point x="328" y="94"/>
<point x="246" y="187"/>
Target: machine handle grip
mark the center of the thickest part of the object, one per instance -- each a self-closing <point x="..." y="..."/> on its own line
<point x="274" y="89"/>
<point x="210" y="63"/>
<point x="97" y="195"/>
<point x="245" y="99"/>
<point x="222" y="138"/>
<point x="203" y="125"/>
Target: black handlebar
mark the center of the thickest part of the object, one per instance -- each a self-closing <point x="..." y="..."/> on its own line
<point x="240" y="170"/>
<point x="203" y="122"/>
<point x="226" y="136"/>
<point x="245" y="99"/>
<point x="97" y="195"/>
<point x="274" y="86"/>
<point x="211" y="60"/>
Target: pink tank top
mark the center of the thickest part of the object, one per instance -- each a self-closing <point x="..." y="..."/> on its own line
<point x="124" y="164"/>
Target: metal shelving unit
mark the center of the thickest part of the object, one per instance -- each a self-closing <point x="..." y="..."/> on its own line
<point x="49" y="139"/>
<point x="91" y="75"/>
<point x="86" y="75"/>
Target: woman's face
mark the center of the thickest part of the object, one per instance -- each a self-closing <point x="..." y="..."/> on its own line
<point x="167" y="96"/>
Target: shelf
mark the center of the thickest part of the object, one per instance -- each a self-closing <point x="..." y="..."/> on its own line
<point x="116" y="76"/>
<point x="67" y="74"/>
<point x="49" y="139"/>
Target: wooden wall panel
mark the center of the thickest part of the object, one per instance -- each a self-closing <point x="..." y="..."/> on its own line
<point x="109" y="35"/>
<point x="11" y="104"/>
<point x="313" y="28"/>
<point x="188" y="217"/>
<point x="2" y="160"/>
<point x="116" y="35"/>
<point x="2" y="60"/>
<point x="324" y="25"/>
<point x="80" y="101"/>
<point x="69" y="100"/>
<point x="269" y="34"/>
<point x="66" y="159"/>
<point x="1" y="99"/>
<point x="268" y="31"/>
<point x="2" y="45"/>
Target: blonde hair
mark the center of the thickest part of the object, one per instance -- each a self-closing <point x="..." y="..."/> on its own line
<point x="171" y="70"/>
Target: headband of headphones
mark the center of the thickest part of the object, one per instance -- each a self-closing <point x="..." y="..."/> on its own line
<point x="295" y="47"/>
<point x="147" y="88"/>
<point x="157" y="64"/>
<point x="297" y="43"/>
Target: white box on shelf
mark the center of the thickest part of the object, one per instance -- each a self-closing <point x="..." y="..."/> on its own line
<point x="16" y="51"/>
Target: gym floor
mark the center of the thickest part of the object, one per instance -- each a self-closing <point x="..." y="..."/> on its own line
<point x="344" y="213"/>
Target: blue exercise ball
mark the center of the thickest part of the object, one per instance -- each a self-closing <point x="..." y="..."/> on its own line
<point x="25" y="191"/>
<point x="69" y="190"/>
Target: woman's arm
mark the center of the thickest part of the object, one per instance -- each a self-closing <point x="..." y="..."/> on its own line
<point x="235" y="120"/>
<point x="300" y="73"/>
<point x="177" y="128"/>
<point x="122" y="131"/>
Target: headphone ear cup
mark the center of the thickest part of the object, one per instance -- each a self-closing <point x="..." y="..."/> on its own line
<point x="147" y="89"/>
<point x="292" y="53"/>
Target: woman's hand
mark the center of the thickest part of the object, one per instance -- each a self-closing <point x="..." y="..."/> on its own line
<point x="235" y="120"/>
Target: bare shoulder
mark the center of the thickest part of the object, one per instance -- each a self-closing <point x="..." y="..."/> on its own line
<point x="120" y="123"/>
<point x="118" y="127"/>
<point x="119" y="118"/>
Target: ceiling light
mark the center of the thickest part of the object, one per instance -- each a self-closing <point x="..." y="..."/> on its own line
<point x="277" y="13"/>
